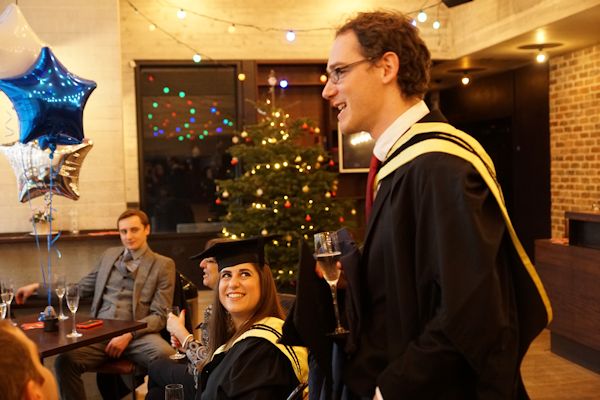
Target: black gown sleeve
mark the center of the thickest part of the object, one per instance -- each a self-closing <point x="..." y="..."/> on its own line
<point x="253" y="369"/>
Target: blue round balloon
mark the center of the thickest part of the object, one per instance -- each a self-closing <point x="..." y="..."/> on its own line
<point x="49" y="101"/>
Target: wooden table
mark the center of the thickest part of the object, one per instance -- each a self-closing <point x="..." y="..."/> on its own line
<point x="52" y="343"/>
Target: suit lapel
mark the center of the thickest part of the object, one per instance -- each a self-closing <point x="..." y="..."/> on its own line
<point x="141" y="276"/>
<point x="102" y="277"/>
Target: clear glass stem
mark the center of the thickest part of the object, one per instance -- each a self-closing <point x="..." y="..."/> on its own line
<point x="74" y="331"/>
<point x="8" y="310"/>
<point x="336" y="310"/>
<point x="60" y="314"/>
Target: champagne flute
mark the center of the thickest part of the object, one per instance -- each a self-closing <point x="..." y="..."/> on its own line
<point x="7" y="293"/>
<point x="178" y="355"/>
<point x="60" y="289"/>
<point x="174" y="391"/>
<point x="2" y="310"/>
<point x="327" y="253"/>
<point x="72" y="293"/>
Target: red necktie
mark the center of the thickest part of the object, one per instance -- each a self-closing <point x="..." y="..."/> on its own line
<point x="373" y="168"/>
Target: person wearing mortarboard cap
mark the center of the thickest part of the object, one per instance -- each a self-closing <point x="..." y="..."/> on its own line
<point x="244" y="359"/>
<point x="164" y="370"/>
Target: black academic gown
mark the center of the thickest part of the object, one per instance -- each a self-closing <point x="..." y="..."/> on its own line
<point x="438" y="314"/>
<point x="252" y="369"/>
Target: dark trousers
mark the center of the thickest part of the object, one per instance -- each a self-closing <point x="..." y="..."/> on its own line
<point x="165" y="371"/>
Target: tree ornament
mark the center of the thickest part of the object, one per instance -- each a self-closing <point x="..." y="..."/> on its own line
<point x="353" y="211"/>
<point x="317" y="130"/>
<point x="218" y="201"/>
<point x="331" y="163"/>
<point x="259" y="192"/>
<point x="328" y="194"/>
<point x="287" y="204"/>
<point x="308" y="218"/>
<point x="305" y="189"/>
<point x="320" y="158"/>
<point x="248" y="140"/>
<point x="235" y="140"/>
<point x="333" y="193"/>
<point x="288" y="238"/>
<point x="342" y="220"/>
<point x="305" y="126"/>
<point x="297" y="159"/>
<point x="264" y="232"/>
<point x="225" y="194"/>
<point x="244" y="134"/>
<point x="234" y="161"/>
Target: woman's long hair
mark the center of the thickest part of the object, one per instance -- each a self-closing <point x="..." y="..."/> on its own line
<point x="220" y="327"/>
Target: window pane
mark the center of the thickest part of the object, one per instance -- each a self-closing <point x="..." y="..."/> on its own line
<point x="188" y="116"/>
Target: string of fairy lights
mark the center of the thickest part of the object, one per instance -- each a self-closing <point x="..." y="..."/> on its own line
<point x="420" y="18"/>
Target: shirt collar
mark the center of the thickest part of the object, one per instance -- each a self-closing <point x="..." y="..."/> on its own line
<point x="393" y="132"/>
<point x="139" y="252"/>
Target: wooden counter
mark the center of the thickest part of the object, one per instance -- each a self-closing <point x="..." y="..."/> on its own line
<point x="571" y="276"/>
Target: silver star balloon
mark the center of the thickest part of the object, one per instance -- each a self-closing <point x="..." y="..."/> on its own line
<point x="33" y="168"/>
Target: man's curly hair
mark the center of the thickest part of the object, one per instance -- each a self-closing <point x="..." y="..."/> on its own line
<point x="382" y="31"/>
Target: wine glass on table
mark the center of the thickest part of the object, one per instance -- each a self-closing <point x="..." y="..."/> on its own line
<point x="178" y="355"/>
<point x="60" y="289"/>
<point x="327" y="253"/>
<point x="7" y="293"/>
<point x="72" y="294"/>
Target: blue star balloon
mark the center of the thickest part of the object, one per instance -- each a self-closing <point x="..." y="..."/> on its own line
<point x="49" y="101"/>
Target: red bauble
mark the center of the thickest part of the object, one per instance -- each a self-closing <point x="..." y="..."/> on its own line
<point x="331" y="163"/>
<point x="342" y="219"/>
<point x="234" y="161"/>
<point x="333" y="194"/>
<point x="248" y="140"/>
<point x="218" y="201"/>
<point x="287" y="204"/>
<point x="308" y="218"/>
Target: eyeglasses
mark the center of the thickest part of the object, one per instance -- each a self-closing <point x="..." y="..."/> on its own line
<point x="336" y="74"/>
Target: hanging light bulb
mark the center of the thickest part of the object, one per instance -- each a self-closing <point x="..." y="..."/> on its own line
<point x="465" y="79"/>
<point x="422" y="16"/>
<point x="241" y="77"/>
<point x="290" y="36"/>
<point x="181" y="14"/>
<point x="436" y="24"/>
<point x="197" y="58"/>
<point x="283" y="83"/>
<point x="541" y="57"/>
<point x="231" y="28"/>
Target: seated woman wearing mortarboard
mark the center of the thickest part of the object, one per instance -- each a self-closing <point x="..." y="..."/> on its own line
<point x="244" y="359"/>
<point x="164" y="370"/>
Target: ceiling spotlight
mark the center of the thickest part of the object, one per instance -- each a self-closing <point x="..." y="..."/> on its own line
<point x="422" y="16"/>
<point x="467" y="73"/>
<point x="436" y="24"/>
<point x="197" y="58"/>
<point x="290" y="36"/>
<point x="181" y="13"/>
<point x="541" y="56"/>
<point x="283" y="83"/>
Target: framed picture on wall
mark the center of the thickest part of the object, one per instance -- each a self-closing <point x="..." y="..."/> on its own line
<point x="355" y="151"/>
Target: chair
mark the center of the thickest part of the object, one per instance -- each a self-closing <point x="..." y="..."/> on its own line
<point x="108" y="378"/>
<point x="108" y="374"/>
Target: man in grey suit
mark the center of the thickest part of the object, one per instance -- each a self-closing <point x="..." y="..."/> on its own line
<point x="128" y="283"/>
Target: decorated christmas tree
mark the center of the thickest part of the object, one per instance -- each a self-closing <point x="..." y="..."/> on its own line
<point x="285" y="185"/>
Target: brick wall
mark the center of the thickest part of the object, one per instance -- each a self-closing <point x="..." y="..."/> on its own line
<point x="574" y="134"/>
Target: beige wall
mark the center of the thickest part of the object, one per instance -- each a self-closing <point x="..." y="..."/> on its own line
<point x="574" y="134"/>
<point x="97" y="39"/>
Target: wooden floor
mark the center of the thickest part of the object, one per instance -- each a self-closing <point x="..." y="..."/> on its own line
<point x="550" y="377"/>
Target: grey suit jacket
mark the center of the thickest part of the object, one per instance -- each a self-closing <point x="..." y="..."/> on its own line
<point x="152" y="290"/>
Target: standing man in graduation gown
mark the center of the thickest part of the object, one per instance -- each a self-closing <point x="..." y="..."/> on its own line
<point x="446" y="300"/>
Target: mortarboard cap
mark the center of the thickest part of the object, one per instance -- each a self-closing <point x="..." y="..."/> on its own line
<point x="237" y="252"/>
